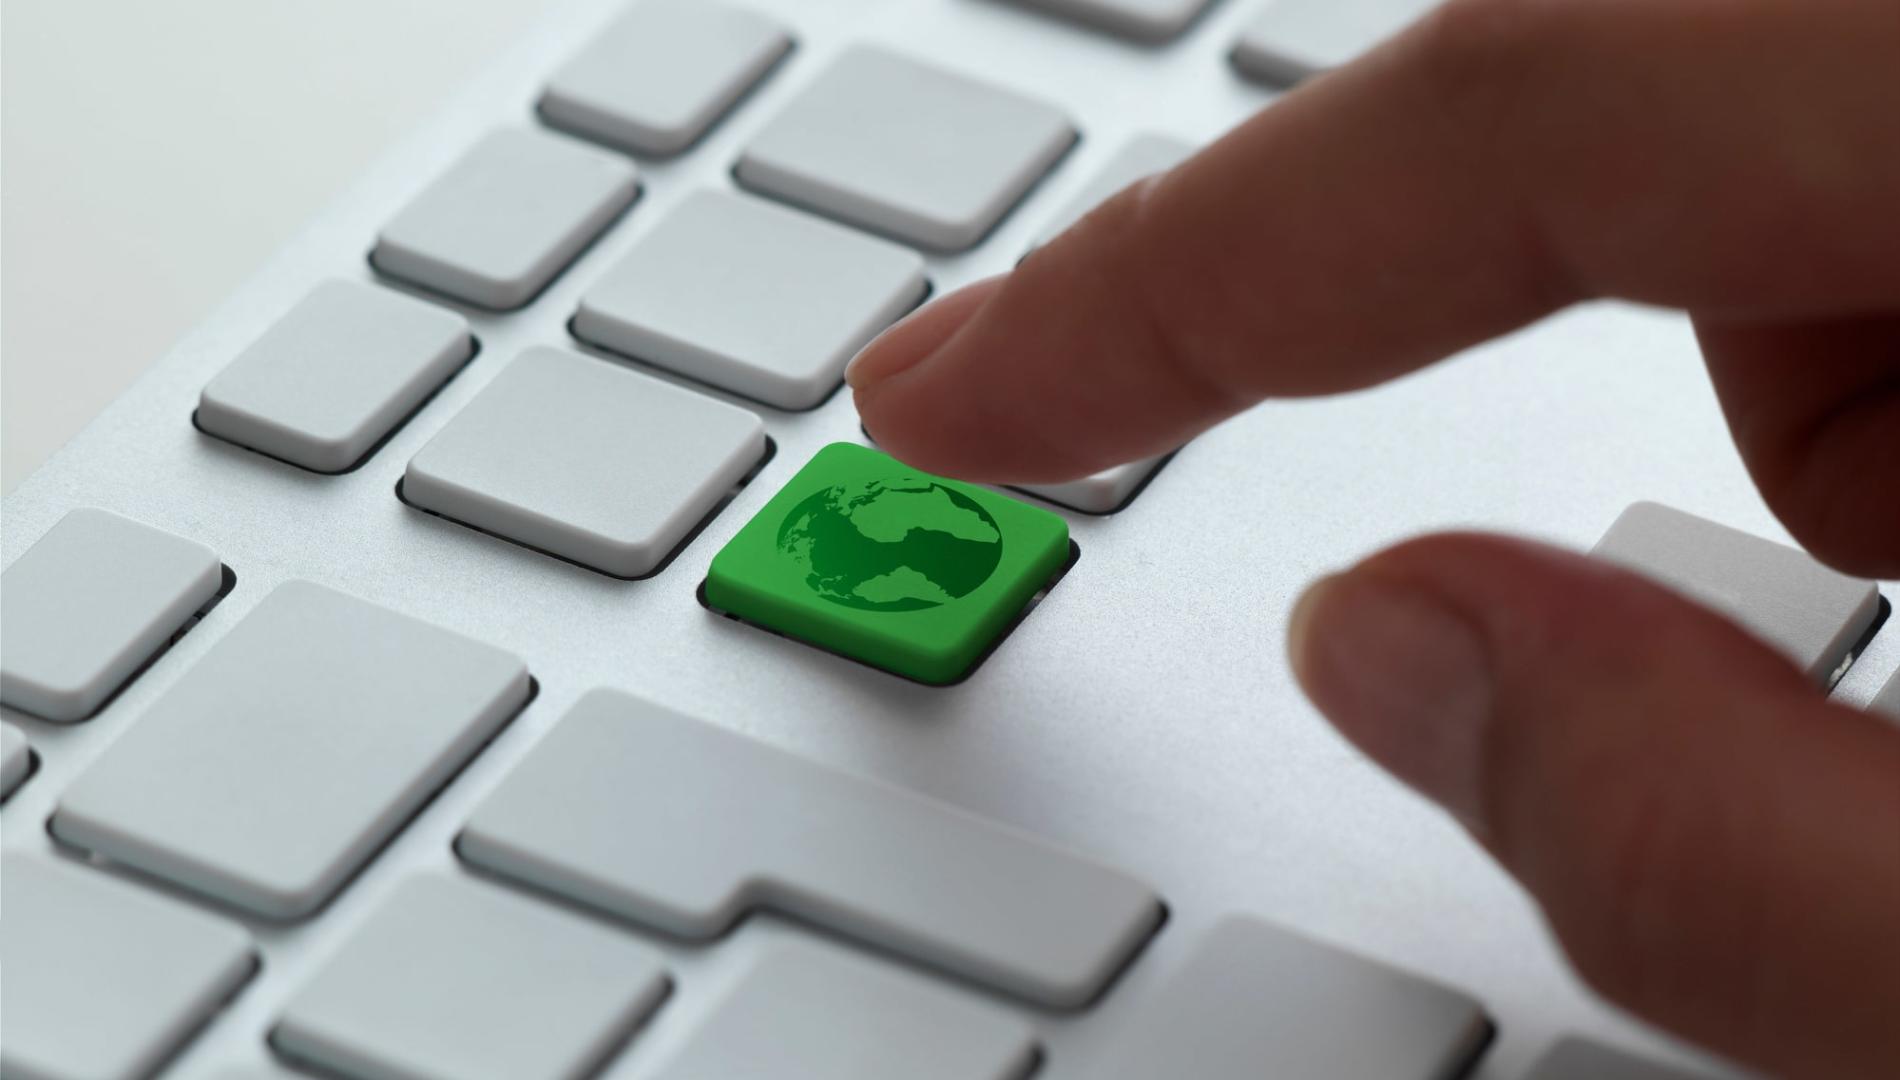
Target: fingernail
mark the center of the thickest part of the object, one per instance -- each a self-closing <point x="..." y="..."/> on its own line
<point x="1403" y="676"/>
<point x="917" y="336"/>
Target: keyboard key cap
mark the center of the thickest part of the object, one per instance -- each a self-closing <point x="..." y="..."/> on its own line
<point x="1575" y="1059"/>
<point x="16" y="759"/>
<point x="925" y="155"/>
<point x="1106" y="492"/>
<point x="1256" y="1001"/>
<point x="864" y="556"/>
<point x="586" y="460"/>
<point x="507" y="218"/>
<point x="451" y="977"/>
<point x="89" y="604"/>
<point x="1142" y="157"/>
<point x="1889" y="699"/>
<point x="1143" y="20"/>
<point x="1810" y="613"/>
<point x="104" y="980"/>
<point x="806" y="1012"/>
<point x="751" y="297"/>
<point x="279" y="764"/>
<point x="664" y="73"/>
<point x="335" y="376"/>
<point x="1293" y="40"/>
<point x="685" y="827"/>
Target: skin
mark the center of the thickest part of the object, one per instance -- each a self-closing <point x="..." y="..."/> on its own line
<point x="1714" y="843"/>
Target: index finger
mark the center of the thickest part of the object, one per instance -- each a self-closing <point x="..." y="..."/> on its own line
<point x="1499" y="161"/>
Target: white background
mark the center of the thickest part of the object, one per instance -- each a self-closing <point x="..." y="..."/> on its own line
<point x="156" y="151"/>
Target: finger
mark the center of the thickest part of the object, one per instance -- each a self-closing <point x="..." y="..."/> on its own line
<point x="1716" y="846"/>
<point x="1499" y="161"/>
<point x="1816" y="411"/>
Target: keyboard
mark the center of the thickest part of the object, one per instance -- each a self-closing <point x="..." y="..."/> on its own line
<point x="490" y="647"/>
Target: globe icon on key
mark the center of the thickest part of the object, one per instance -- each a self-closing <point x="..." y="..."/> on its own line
<point x="892" y="544"/>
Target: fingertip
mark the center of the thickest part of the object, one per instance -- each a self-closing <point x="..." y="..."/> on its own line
<point x="911" y="340"/>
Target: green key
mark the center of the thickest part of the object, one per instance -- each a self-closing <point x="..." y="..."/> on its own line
<point x="865" y="556"/>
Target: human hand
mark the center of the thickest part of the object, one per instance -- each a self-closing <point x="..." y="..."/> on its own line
<point x="1716" y="845"/>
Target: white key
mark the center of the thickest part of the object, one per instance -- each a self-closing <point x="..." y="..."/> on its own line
<point x="587" y="460"/>
<point x="752" y="297"/>
<point x="506" y="218"/>
<point x="105" y="980"/>
<point x="1889" y="699"/>
<point x="1293" y="40"/>
<point x="1810" y="613"/>
<point x="662" y="74"/>
<point x="335" y="375"/>
<point x="925" y="155"/>
<point x="16" y="759"/>
<point x="687" y="826"/>
<point x="1256" y="1001"/>
<point x="92" y="601"/>
<point x="1143" y="20"/>
<point x="809" y="1012"/>
<point x="1142" y="157"/>
<point x="454" y="978"/>
<point x="1104" y="493"/>
<point x="279" y="764"/>
<point x="1575" y="1059"/>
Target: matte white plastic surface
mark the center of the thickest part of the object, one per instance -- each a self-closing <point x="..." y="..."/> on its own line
<point x="1813" y="615"/>
<point x="808" y="1011"/>
<point x="1139" y="158"/>
<point x="586" y="459"/>
<point x="274" y="768"/>
<point x="1889" y="699"/>
<point x="1257" y="1001"/>
<point x="1579" y="1059"/>
<point x="91" y="601"/>
<point x="1293" y="40"/>
<point x="892" y="144"/>
<point x="16" y="758"/>
<point x="507" y="217"/>
<point x="335" y="375"/>
<point x="687" y="826"/>
<point x="451" y="977"/>
<point x="662" y="74"/>
<point x="104" y="978"/>
<point x="752" y="297"/>
<point x="1143" y="20"/>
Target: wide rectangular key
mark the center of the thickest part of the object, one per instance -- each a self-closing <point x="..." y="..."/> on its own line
<point x="506" y="218"/>
<point x="887" y="143"/>
<point x="1143" y="20"/>
<point x="587" y="460"/>
<point x="1256" y="1001"/>
<point x="1888" y="700"/>
<point x="662" y="74"/>
<point x="685" y="827"/>
<point x="335" y="375"/>
<point x="805" y="1011"/>
<point x="752" y="297"/>
<point x="279" y="764"/>
<point x="454" y="978"/>
<point x="90" y="603"/>
<point x="1142" y="157"/>
<point x="1576" y="1059"/>
<point x="1293" y="40"/>
<point x="16" y="759"/>
<point x="1810" y="613"/>
<point x="105" y="980"/>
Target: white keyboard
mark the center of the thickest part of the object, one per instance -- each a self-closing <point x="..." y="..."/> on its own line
<point x="363" y="718"/>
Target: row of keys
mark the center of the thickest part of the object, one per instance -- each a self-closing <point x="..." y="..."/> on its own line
<point x="540" y="457"/>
